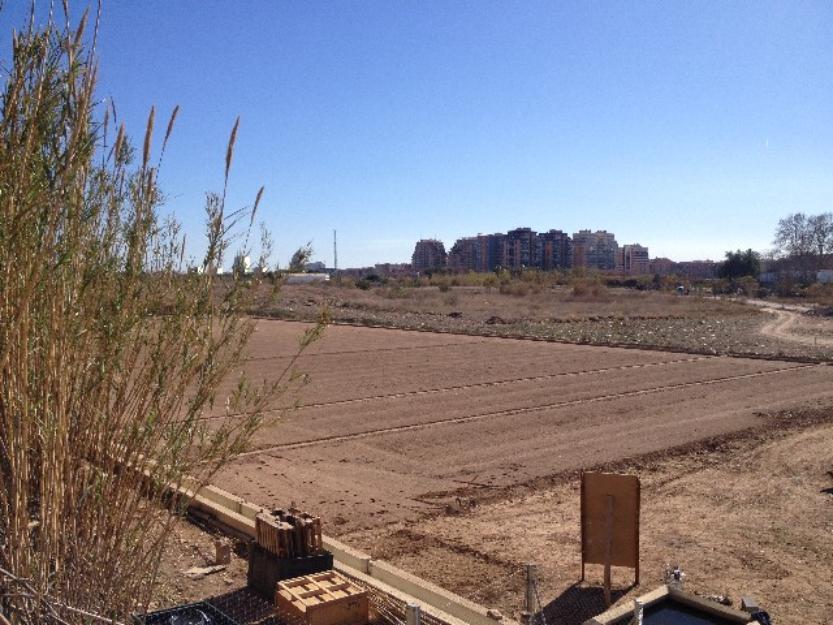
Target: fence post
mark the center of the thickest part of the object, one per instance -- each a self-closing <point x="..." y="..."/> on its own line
<point x="638" y="612"/>
<point x="531" y="581"/>
<point x="412" y="614"/>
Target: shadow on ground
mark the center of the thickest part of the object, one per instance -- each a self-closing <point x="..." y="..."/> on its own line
<point x="578" y="603"/>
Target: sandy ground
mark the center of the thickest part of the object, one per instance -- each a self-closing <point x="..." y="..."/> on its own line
<point x="188" y="547"/>
<point x="456" y="457"/>
<point x="746" y="514"/>
<point x="751" y="515"/>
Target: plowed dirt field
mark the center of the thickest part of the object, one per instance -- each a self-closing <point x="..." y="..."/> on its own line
<point x="394" y="424"/>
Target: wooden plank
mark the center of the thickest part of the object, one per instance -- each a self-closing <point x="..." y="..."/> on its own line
<point x="608" y="547"/>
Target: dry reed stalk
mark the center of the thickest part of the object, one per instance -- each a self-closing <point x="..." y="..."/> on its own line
<point x="110" y="352"/>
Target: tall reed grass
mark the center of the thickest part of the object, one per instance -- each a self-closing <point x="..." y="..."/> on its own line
<point x="110" y="352"/>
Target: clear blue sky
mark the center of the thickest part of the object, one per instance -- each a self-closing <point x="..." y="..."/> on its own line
<point x="690" y="127"/>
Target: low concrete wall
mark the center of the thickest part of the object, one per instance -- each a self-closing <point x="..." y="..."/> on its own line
<point x="348" y="556"/>
<point x="238" y="515"/>
<point x="429" y="593"/>
<point x="623" y="613"/>
<point x="398" y="595"/>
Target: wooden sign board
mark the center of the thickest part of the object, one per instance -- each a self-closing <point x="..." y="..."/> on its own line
<point x="610" y="522"/>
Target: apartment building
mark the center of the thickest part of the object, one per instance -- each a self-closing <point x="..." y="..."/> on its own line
<point x="521" y="248"/>
<point x="549" y="251"/>
<point x="662" y="266"/>
<point x="697" y="269"/>
<point x="491" y="250"/>
<point x="556" y="250"/>
<point x="633" y="260"/>
<point x="429" y="254"/>
<point x="465" y="255"/>
<point x="595" y="250"/>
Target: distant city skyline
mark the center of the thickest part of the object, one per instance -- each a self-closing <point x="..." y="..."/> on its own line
<point x="689" y="127"/>
<point x="524" y="248"/>
<point x="449" y="243"/>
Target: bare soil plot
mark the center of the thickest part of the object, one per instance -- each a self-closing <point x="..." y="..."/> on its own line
<point x="394" y="428"/>
<point x="355" y="363"/>
<point x="749" y="516"/>
<point x="281" y="339"/>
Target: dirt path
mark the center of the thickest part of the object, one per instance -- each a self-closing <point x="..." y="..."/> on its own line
<point x="784" y="323"/>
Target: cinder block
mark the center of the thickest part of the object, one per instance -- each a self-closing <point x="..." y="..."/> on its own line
<point x="749" y="604"/>
<point x="266" y="569"/>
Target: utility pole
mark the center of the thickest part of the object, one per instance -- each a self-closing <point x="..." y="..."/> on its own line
<point x="335" y="253"/>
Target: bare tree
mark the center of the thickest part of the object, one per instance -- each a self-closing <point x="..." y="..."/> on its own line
<point x="820" y="233"/>
<point x="804" y="240"/>
<point x="792" y="237"/>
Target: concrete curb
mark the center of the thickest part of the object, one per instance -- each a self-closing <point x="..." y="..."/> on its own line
<point x="233" y="514"/>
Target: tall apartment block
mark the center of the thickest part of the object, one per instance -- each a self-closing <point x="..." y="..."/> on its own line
<point x="550" y="251"/>
<point x="491" y="250"/>
<point x="521" y="248"/>
<point x="556" y="250"/>
<point x="634" y="260"/>
<point x="465" y="255"/>
<point x="482" y="253"/>
<point x="429" y="254"/>
<point x="595" y="250"/>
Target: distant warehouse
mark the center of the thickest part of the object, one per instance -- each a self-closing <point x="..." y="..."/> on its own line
<point x="306" y="278"/>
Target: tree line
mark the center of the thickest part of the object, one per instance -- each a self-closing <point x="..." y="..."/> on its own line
<point x="802" y="242"/>
<point x="805" y="239"/>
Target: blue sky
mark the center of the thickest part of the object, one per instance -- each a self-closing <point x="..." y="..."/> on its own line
<point x="690" y="127"/>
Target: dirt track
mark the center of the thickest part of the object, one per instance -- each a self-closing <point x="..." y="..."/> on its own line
<point x="398" y="423"/>
<point x="785" y="326"/>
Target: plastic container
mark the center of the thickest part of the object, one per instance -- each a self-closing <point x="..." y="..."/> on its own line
<point x="200" y="613"/>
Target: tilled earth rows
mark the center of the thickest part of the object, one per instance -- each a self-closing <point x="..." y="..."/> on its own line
<point x="394" y="424"/>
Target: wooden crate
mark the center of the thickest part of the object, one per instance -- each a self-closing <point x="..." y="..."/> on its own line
<point x="322" y="599"/>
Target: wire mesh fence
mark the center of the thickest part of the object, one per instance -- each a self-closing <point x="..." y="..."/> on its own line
<point x="246" y="607"/>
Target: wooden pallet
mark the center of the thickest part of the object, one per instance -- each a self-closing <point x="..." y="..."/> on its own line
<point x="322" y="599"/>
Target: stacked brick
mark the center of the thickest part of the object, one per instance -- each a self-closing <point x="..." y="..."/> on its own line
<point x="289" y="533"/>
